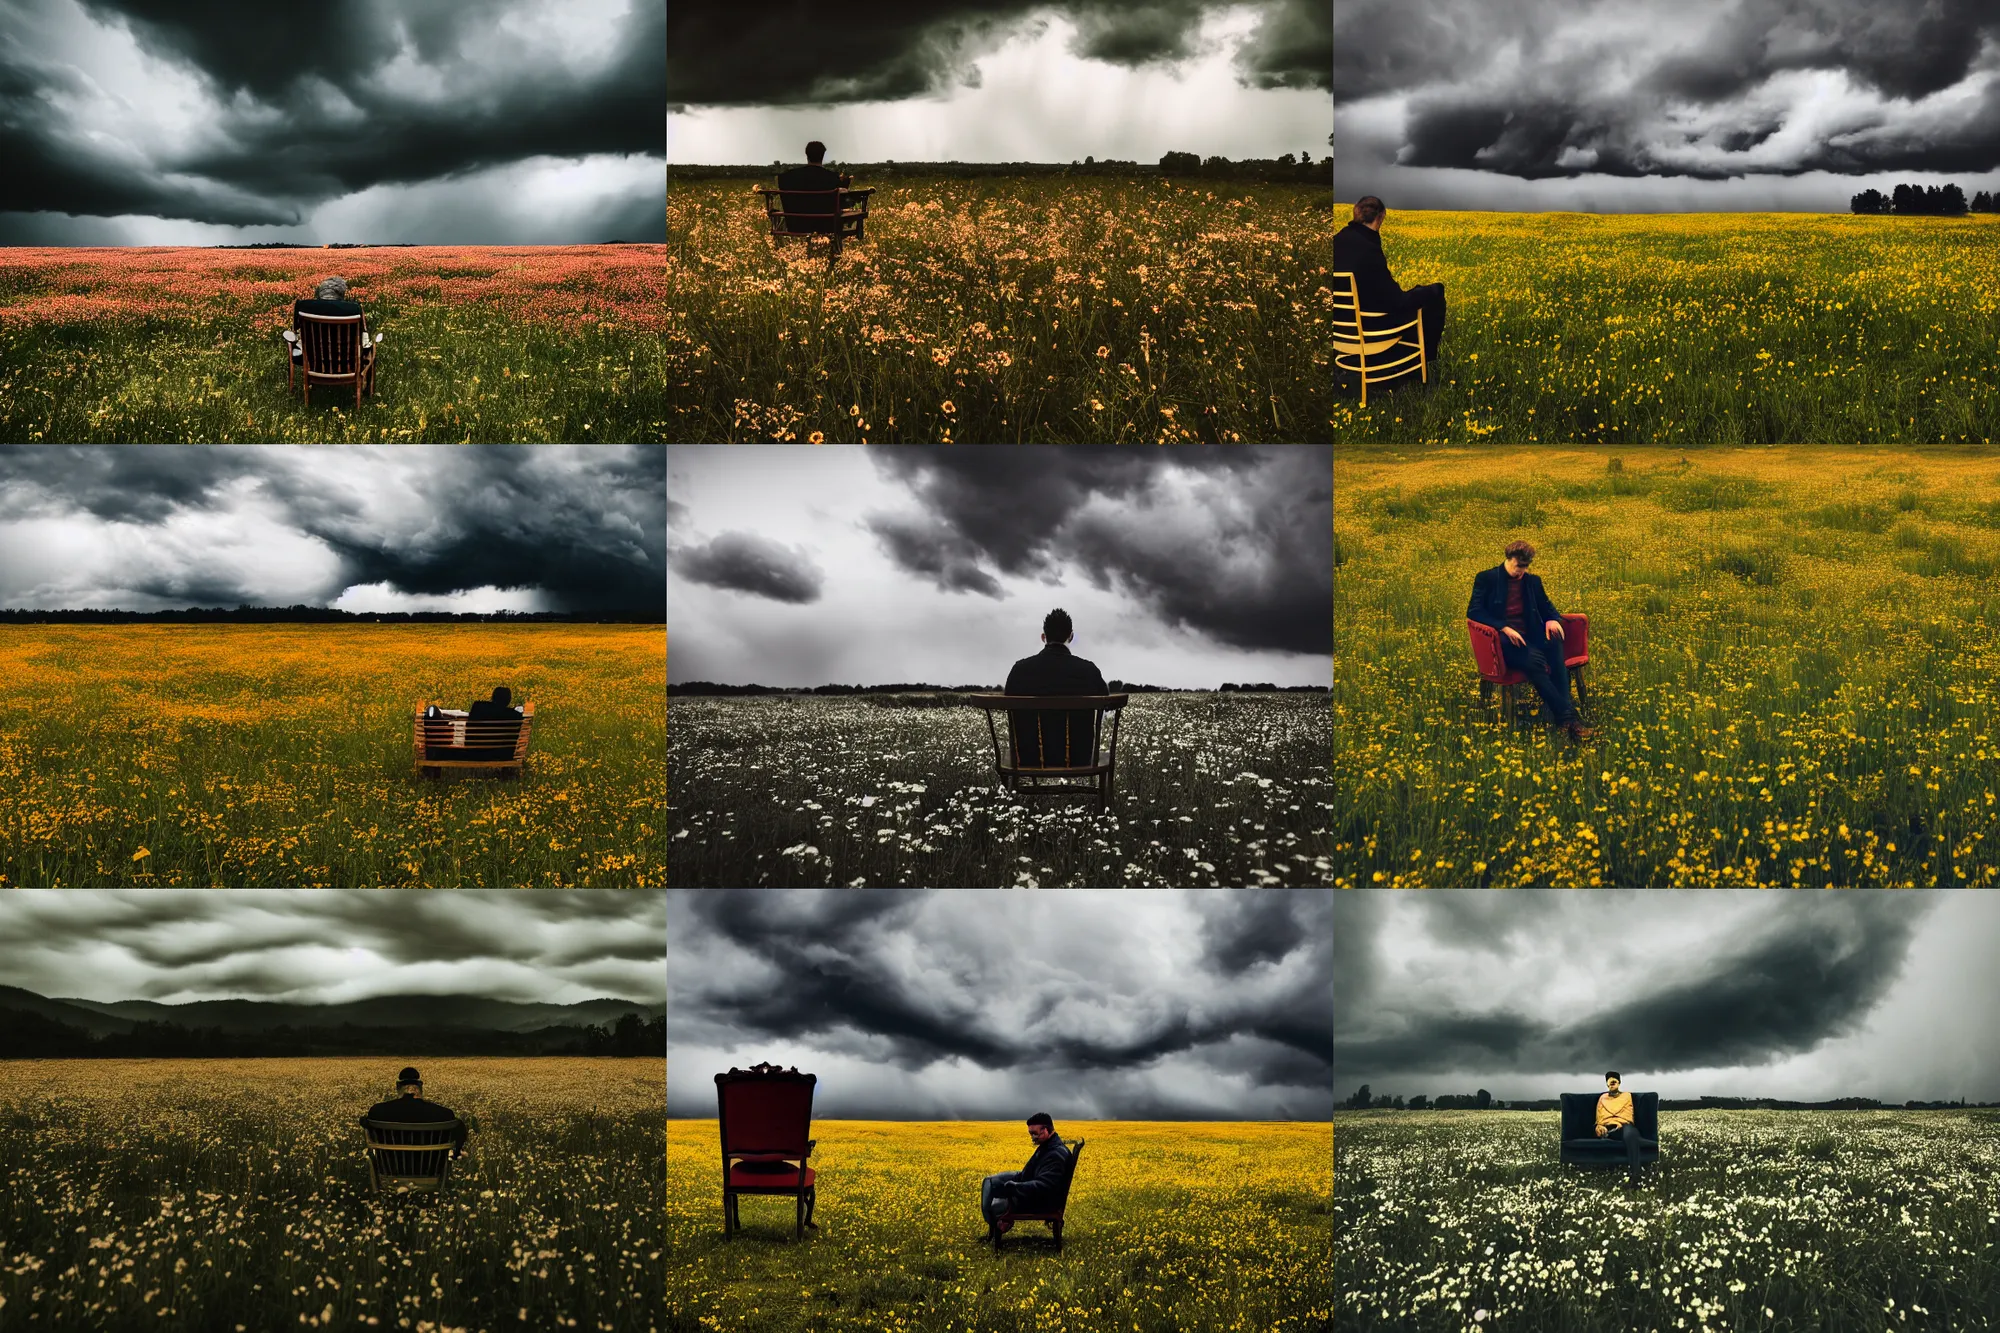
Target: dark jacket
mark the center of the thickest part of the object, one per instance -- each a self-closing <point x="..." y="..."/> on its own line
<point x="485" y="710"/>
<point x="316" y="307"/>
<point x="416" y="1111"/>
<point x="1489" y="599"/>
<point x="1358" y="250"/>
<point x="1039" y="1186"/>
<point x="1046" y="737"/>
<point x="810" y="177"/>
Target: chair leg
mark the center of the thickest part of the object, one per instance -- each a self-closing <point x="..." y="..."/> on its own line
<point x="1485" y="691"/>
<point x="728" y="1214"/>
<point x="1576" y="679"/>
<point x="1056" y="1227"/>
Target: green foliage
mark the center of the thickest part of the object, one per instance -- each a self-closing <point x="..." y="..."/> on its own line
<point x="1760" y="565"/>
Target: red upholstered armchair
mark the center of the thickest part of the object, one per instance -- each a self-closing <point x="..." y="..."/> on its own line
<point x="763" y="1113"/>
<point x="1493" y="668"/>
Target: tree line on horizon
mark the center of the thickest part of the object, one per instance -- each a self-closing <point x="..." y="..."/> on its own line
<point x="1924" y="201"/>
<point x="1365" y="1100"/>
<point x="26" y="1035"/>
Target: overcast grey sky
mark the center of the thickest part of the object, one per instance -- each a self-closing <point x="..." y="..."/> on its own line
<point x="1529" y="993"/>
<point x="970" y="1004"/>
<point x="330" y="946"/>
<point x="1662" y="105"/>
<point x="358" y="527"/>
<point x="189" y="122"/>
<point x="997" y="80"/>
<point x="854" y="564"/>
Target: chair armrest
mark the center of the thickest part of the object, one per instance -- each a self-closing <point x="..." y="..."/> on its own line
<point x="810" y="1145"/>
<point x="289" y="336"/>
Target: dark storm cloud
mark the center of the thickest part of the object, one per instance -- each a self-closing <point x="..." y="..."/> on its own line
<point x="328" y="945"/>
<point x="1545" y="88"/>
<point x="584" y="524"/>
<point x="908" y="980"/>
<point x="745" y="562"/>
<point x="299" y="105"/>
<point x="1249" y="563"/>
<point x="720" y="53"/>
<point x="1809" y="970"/>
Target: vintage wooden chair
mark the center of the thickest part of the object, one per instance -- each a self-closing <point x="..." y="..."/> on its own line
<point x="1054" y="1217"/>
<point x="1353" y="346"/>
<point x="457" y="742"/>
<point x="1495" y="673"/>
<point x="1053" y="739"/>
<point x="405" y="1158"/>
<point x="808" y="213"/>
<point x="763" y="1113"/>
<point x="331" y="349"/>
<point x="1582" y="1147"/>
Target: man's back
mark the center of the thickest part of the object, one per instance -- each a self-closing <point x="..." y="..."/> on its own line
<point x="316" y="307"/>
<point x="810" y="177"/>
<point x="410" y="1111"/>
<point x="1055" y="738"/>
<point x="1358" y="250"/>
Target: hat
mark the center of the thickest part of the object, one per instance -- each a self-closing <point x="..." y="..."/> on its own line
<point x="409" y="1075"/>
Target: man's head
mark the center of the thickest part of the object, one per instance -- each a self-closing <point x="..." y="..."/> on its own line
<point x="1611" y="1081"/>
<point x="409" y="1083"/>
<point x="1056" y="627"/>
<point x="1519" y="555"/>
<point x="503" y="696"/>
<point x="332" y="289"/>
<point x="1040" y="1128"/>
<point x="815" y="152"/>
<point x="1369" y="212"/>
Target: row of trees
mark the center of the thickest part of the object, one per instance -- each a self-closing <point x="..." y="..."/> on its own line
<point x="25" y="1035"/>
<point x="1924" y="201"/>
<point x="1482" y="1100"/>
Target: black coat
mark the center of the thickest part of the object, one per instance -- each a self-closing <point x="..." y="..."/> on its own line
<point x="415" y="1111"/>
<point x="1489" y="599"/>
<point x="1039" y="1186"/>
<point x="316" y="307"/>
<point x="485" y="710"/>
<point x="810" y="177"/>
<point x="1046" y="737"/>
<point x="1358" y="250"/>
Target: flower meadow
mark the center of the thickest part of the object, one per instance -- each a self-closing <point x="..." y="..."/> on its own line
<point x="1697" y="329"/>
<point x="1793" y="670"/>
<point x="201" y="1196"/>
<point x="1787" y="1221"/>
<point x="483" y="343"/>
<point x="1209" y="1227"/>
<point x="1211" y="790"/>
<point x="1000" y="310"/>
<point x="233" y="756"/>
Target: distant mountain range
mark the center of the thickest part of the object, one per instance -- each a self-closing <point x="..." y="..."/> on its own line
<point x="37" y="1026"/>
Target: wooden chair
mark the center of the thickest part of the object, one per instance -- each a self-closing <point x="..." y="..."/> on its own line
<point x="809" y="213"/>
<point x="1582" y="1147"/>
<point x="405" y="1158"/>
<point x="457" y="742"/>
<point x="1053" y="1217"/>
<point x="331" y="349"/>
<point x="1494" y="671"/>
<point x="763" y="1113"/>
<point x="1353" y="345"/>
<point x="1052" y="739"/>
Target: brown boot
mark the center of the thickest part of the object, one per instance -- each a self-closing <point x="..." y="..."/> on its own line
<point x="1577" y="731"/>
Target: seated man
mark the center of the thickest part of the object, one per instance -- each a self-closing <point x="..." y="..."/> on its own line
<point x="813" y="176"/>
<point x="1614" y="1121"/>
<point x="496" y="742"/>
<point x="1034" y="1187"/>
<point x="1357" y="249"/>
<point x="1041" y="734"/>
<point x="1511" y="600"/>
<point x="410" y="1108"/>
<point x="330" y="298"/>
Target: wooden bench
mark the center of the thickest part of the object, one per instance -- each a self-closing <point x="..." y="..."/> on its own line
<point x="1065" y="727"/>
<point x="1353" y="345"/>
<point x="331" y="349"/>
<point x="459" y="742"/>
<point x="409" y="1158"/>
<point x="796" y="213"/>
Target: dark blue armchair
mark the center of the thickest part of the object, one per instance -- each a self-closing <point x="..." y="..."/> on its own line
<point x="1582" y="1147"/>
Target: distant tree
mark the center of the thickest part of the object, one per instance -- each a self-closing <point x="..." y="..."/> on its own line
<point x="1420" y="1102"/>
<point x="1180" y="164"/>
<point x="1908" y="200"/>
<point x="1361" y="1100"/>
<point x="1287" y="161"/>
<point x="1485" y="1099"/>
<point x="1951" y="201"/>
<point x="1982" y="202"/>
<point x="1229" y="685"/>
<point x="1216" y="166"/>
<point x="1869" y="201"/>
<point x="1089" y="161"/>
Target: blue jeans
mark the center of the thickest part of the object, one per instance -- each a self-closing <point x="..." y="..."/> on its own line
<point x="1541" y="661"/>
<point x="992" y="1202"/>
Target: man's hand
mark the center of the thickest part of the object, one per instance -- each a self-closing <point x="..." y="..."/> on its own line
<point x="1553" y="628"/>
<point x="1514" y="635"/>
<point x="1600" y="1131"/>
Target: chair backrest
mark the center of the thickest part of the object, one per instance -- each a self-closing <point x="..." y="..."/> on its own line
<point x="1579" y="1115"/>
<point x="331" y="343"/>
<point x="1346" y="307"/>
<point x="1486" y="649"/>
<point x="810" y="203"/>
<point x="1069" y="1174"/>
<point x="480" y="734"/>
<point x="764" y="1109"/>
<point x="1576" y="636"/>
<point x="1060" y="731"/>
<point x="410" y="1150"/>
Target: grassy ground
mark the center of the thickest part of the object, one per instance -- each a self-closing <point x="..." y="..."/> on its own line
<point x="199" y="1196"/>
<point x="1170" y="1228"/>
<point x="1836" y="1222"/>
<point x="1703" y="328"/>
<point x="996" y="310"/>
<point x="1211" y="789"/>
<point x="1793" y="667"/>
<point x="282" y="755"/>
<point x="517" y="344"/>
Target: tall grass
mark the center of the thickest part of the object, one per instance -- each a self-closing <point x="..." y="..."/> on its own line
<point x="1793" y="680"/>
<point x="1000" y="310"/>
<point x="1697" y="329"/>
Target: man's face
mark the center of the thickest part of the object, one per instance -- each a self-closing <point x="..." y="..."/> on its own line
<point x="1611" y="1085"/>
<point x="1515" y="568"/>
<point x="1040" y="1133"/>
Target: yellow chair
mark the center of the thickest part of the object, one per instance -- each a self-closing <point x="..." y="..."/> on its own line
<point x="1353" y="346"/>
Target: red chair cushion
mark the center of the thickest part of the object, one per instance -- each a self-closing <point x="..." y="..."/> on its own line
<point x="760" y="1176"/>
